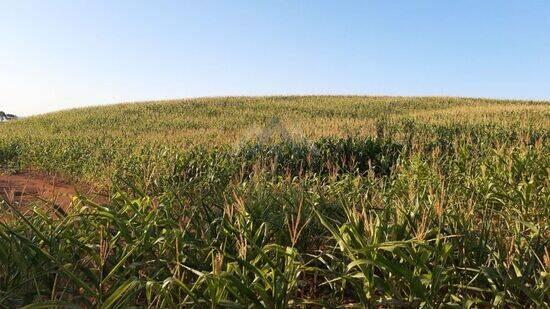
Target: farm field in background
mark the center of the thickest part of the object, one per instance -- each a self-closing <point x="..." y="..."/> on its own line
<point x="301" y="201"/>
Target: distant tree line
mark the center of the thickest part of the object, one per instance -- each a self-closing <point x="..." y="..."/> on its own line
<point x="4" y="116"/>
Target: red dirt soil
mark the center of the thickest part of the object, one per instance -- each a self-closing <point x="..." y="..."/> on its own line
<point x="27" y="187"/>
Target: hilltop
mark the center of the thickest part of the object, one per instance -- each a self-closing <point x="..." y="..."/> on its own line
<point x="217" y="121"/>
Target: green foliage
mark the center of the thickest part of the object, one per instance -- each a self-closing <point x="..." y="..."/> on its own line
<point x="439" y="203"/>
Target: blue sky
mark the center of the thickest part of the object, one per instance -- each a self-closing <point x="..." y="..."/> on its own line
<point x="62" y="54"/>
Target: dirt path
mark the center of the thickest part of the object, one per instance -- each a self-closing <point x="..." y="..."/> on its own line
<point x="24" y="188"/>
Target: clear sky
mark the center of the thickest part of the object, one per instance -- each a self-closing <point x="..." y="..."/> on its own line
<point x="62" y="54"/>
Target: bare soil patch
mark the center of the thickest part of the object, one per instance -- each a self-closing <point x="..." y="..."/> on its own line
<point x="25" y="188"/>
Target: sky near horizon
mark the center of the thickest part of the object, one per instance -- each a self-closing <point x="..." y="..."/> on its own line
<point x="62" y="54"/>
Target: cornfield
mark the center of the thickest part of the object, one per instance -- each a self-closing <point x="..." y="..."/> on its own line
<point x="283" y="202"/>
